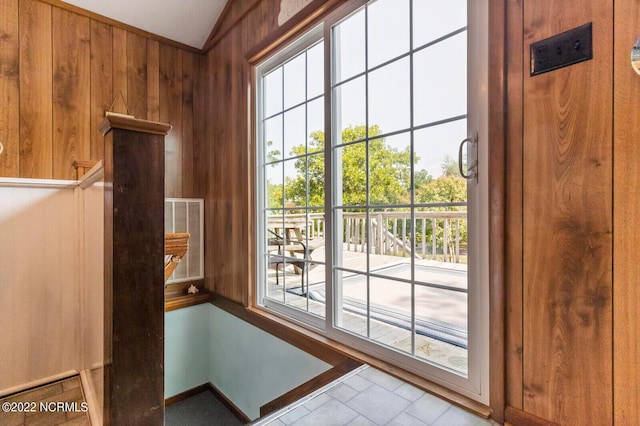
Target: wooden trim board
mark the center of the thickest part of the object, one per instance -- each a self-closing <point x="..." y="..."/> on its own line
<point x="283" y="329"/>
<point x="497" y="192"/>
<point x="227" y="403"/>
<point x="517" y="417"/>
<point x="174" y="302"/>
<point x="310" y="386"/>
<point x="185" y="395"/>
<point x="334" y="353"/>
<point x="219" y="396"/>
<point x="127" y="122"/>
<point x="25" y="387"/>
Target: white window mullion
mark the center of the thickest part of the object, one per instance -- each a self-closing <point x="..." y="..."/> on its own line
<point x="431" y="130"/>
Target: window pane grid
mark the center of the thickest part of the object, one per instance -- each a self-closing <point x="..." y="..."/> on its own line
<point x="291" y="222"/>
<point x="412" y="155"/>
<point x="441" y="39"/>
<point x="385" y="97"/>
<point x="315" y="98"/>
<point x="381" y="138"/>
<point x="397" y="132"/>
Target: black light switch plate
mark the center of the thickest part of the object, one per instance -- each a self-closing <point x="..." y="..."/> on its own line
<point x="561" y="50"/>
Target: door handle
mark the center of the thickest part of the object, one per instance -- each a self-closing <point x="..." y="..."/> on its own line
<point x="472" y="169"/>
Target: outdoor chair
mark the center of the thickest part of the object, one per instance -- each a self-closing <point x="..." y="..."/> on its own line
<point x="278" y="242"/>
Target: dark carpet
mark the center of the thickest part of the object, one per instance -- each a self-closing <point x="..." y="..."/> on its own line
<point x="202" y="409"/>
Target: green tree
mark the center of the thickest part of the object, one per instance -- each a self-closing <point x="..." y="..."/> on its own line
<point x="445" y="189"/>
<point x="421" y="177"/>
<point x="274" y="195"/>
<point x="448" y="188"/>
<point x="389" y="170"/>
<point x="449" y="166"/>
<point x="389" y="179"/>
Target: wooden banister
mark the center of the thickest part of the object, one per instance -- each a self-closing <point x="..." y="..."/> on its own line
<point x="82" y="166"/>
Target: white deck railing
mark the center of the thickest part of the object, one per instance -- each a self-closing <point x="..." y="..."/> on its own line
<point x="440" y="235"/>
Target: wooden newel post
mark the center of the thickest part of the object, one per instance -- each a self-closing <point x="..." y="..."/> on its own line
<point x="133" y="271"/>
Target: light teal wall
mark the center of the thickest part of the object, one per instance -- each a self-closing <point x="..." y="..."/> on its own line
<point x="252" y="367"/>
<point x="249" y="366"/>
<point x="186" y="349"/>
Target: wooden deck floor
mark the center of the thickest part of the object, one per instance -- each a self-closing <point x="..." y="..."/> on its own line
<point x="431" y="349"/>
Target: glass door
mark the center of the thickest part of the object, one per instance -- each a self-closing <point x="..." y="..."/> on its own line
<point x="406" y="194"/>
<point x="372" y="174"/>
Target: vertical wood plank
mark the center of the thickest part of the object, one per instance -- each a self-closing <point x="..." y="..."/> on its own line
<point x="137" y="75"/>
<point x="9" y="89"/>
<point x="568" y="222"/>
<point x="187" y="124"/>
<point x="513" y="202"/>
<point x="119" y="69"/>
<point x="274" y="10"/>
<point x="153" y="80"/>
<point x="227" y="196"/>
<point x="253" y="32"/>
<point x="232" y="188"/>
<point x="497" y="194"/>
<point x="36" y="146"/>
<point x="200" y="148"/>
<point x="626" y="219"/>
<point x="215" y="132"/>
<point x="171" y="112"/>
<point x="71" y="91"/>
<point x="241" y="42"/>
<point x="228" y="193"/>
<point x="101" y="83"/>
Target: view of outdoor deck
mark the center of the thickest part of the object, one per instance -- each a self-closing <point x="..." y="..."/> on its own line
<point x="376" y="264"/>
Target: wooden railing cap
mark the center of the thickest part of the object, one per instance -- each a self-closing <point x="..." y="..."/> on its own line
<point x="129" y="122"/>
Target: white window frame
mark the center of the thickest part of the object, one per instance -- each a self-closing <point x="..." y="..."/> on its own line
<point x="291" y="50"/>
<point x="476" y="385"/>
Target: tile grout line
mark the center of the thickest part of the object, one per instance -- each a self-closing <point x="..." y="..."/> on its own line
<point x="277" y="414"/>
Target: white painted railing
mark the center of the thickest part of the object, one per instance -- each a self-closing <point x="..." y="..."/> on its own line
<point x="440" y="235"/>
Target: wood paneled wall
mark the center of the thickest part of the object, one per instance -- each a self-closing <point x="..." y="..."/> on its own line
<point x="513" y="205"/>
<point x="571" y="271"/>
<point x="626" y="218"/>
<point x="59" y="72"/>
<point x="568" y="222"/>
<point x="227" y="213"/>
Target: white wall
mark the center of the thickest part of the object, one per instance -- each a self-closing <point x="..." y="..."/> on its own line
<point x="186" y="349"/>
<point x="39" y="285"/>
<point x="252" y="367"/>
<point x="249" y="366"/>
<point x="51" y="280"/>
<point x="91" y="219"/>
<point x="91" y="216"/>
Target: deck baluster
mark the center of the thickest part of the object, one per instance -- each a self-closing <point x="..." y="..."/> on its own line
<point x="434" y="246"/>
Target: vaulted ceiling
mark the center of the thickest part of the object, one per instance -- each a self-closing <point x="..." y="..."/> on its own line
<point x="186" y="21"/>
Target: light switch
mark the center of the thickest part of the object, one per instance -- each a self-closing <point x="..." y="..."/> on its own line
<point x="561" y="50"/>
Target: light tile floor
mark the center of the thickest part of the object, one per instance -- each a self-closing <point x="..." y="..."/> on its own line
<point x="372" y="397"/>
